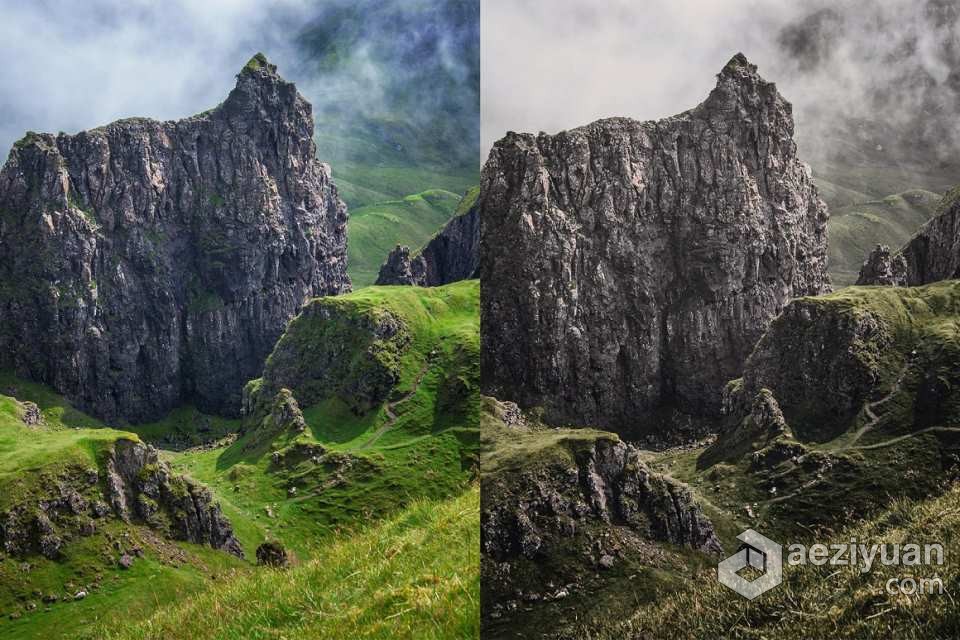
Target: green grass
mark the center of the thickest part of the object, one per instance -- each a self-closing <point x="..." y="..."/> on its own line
<point x="376" y="229"/>
<point x="825" y="601"/>
<point x="415" y="575"/>
<point x="33" y="462"/>
<point x="350" y="471"/>
<point x="856" y="229"/>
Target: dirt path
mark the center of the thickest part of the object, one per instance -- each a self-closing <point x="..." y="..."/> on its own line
<point x="391" y="414"/>
<point x="872" y="418"/>
<point x="887" y="443"/>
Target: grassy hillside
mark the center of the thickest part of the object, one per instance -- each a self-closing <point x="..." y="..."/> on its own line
<point x="37" y="595"/>
<point x="375" y="230"/>
<point x="821" y="601"/>
<point x="854" y="230"/>
<point x="408" y="460"/>
<point x="888" y="474"/>
<point x="415" y="575"/>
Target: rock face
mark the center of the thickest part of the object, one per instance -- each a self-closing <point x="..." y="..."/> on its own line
<point x="452" y="255"/>
<point x="145" y="264"/>
<point x="141" y="487"/>
<point x="629" y="268"/>
<point x="820" y="362"/>
<point x="571" y="501"/>
<point x="883" y="268"/>
<point x="332" y="349"/>
<point x="135" y="486"/>
<point x="931" y="255"/>
<point x="608" y="483"/>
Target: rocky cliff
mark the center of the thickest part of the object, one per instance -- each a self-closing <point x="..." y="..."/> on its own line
<point x="133" y="485"/>
<point x="146" y="264"/>
<point x="450" y="256"/>
<point x="931" y="255"/>
<point x="559" y="503"/>
<point x="628" y="267"/>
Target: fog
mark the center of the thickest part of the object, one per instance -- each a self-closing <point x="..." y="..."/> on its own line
<point x="549" y="65"/>
<point x="69" y="66"/>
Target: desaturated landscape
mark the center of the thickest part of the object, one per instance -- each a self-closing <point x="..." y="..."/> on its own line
<point x="673" y="352"/>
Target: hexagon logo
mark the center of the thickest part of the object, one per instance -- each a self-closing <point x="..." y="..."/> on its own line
<point x="760" y="553"/>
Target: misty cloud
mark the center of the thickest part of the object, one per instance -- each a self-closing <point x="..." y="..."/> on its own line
<point x="551" y="65"/>
<point x="72" y="66"/>
<point x="375" y="70"/>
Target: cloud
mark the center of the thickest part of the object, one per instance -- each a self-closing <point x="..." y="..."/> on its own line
<point x="556" y="64"/>
<point x="70" y="66"/>
<point x="364" y="64"/>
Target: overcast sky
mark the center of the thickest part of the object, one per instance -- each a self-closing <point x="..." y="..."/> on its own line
<point x="549" y="65"/>
<point x="73" y="65"/>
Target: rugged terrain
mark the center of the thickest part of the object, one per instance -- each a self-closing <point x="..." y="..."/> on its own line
<point x="630" y="267"/>
<point x="150" y="264"/>
<point x="854" y="230"/>
<point x="844" y="426"/>
<point x="565" y="513"/>
<point x="366" y="412"/>
<point x="932" y="254"/>
<point x="452" y="254"/>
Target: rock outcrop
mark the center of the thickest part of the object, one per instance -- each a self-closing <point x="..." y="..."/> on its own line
<point x="144" y="264"/>
<point x="629" y="268"/>
<point x="607" y="482"/>
<point x="334" y="348"/>
<point x="141" y="487"/>
<point x="883" y="267"/>
<point x="559" y="504"/>
<point x="134" y="485"/>
<point x="930" y="256"/>
<point x="820" y="361"/>
<point x="450" y="256"/>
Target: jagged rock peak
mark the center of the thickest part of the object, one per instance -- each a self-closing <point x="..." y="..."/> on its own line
<point x="629" y="267"/>
<point x="144" y="264"/>
<point x="451" y="255"/>
<point x="933" y="254"/>
<point x="883" y="267"/>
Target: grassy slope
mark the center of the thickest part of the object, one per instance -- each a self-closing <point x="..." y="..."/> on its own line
<point x="415" y="575"/>
<point x="363" y="185"/>
<point x="423" y="459"/>
<point x="827" y="601"/>
<point x="876" y="490"/>
<point x="376" y="229"/>
<point x="424" y="456"/>
<point x="646" y="570"/>
<point x="30" y="461"/>
<point x="856" y="229"/>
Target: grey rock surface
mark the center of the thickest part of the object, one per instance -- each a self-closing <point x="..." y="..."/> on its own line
<point x="933" y="254"/>
<point x="141" y="487"/>
<point x="144" y="264"/>
<point x="883" y="267"/>
<point x="450" y="256"/>
<point x="629" y="267"/>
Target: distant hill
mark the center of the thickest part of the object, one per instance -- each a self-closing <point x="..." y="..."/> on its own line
<point x="857" y="228"/>
<point x="396" y="94"/>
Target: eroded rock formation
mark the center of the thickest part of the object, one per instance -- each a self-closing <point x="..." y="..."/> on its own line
<point x="144" y="264"/>
<point x="883" y="267"/>
<point x="629" y="267"/>
<point x="450" y="256"/>
<point x="134" y="485"/>
<point x="931" y="255"/>
<point x="141" y="487"/>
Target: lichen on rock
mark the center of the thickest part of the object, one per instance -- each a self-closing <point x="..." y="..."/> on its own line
<point x="147" y="264"/>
